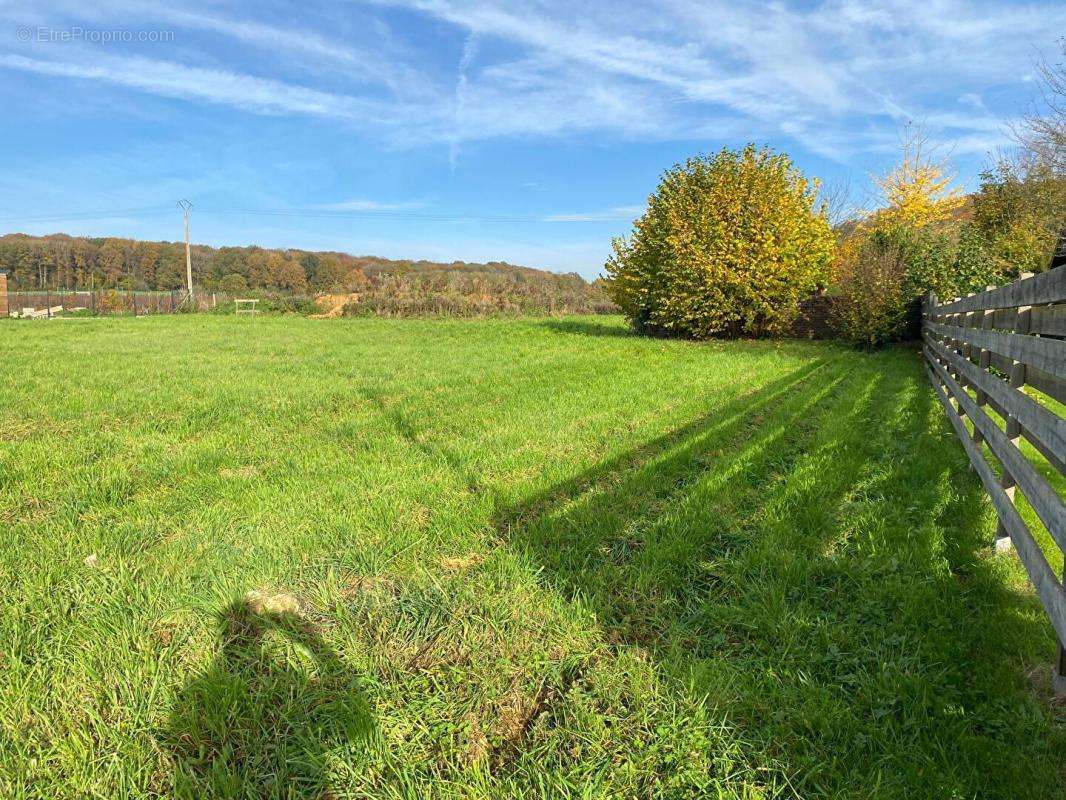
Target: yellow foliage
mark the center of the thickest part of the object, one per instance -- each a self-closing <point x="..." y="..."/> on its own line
<point x="872" y="284"/>
<point x="917" y="192"/>
<point x="729" y="245"/>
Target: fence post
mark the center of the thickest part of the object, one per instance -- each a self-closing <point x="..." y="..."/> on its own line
<point x="984" y="359"/>
<point x="956" y="345"/>
<point x="1058" y="680"/>
<point x="968" y="320"/>
<point x="928" y="311"/>
<point x="1022" y="317"/>
<point x="48" y="301"/>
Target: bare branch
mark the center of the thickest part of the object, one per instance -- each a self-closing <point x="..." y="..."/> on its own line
<point x="1043" y="130"/>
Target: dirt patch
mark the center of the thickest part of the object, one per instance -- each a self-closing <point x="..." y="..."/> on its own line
<point x="266" y="603"/>
<point x="516" y="713"/>
<point x="24" y="431"/>
<point x="247" y="471"/>
<point x="458" y="563"/>
<point x="332" y="305"/>
<point x="163" y="632"/>
<point x="1041" y="679"/>
<point x="373" y="585"/>
<point x="30" y="510"/>
<point x="477" y="744"/>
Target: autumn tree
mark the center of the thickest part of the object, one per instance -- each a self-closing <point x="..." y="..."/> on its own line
<point x="112" y="262"/>
<point x="355" y="280"/>
<point x="728" y="246"/>
<point x="911" y="245"/>
<point x="1019" y="212"/>
<point x="918" y="191"/>
<point x="275" y="265"/>
<point x="146" y="262"/>
<point x="329" y="273"/>
<point x="233" y="283"/>
<point x="258" y="266"/>
<point x="290" y="275"/>
<point x="170" y="272"/>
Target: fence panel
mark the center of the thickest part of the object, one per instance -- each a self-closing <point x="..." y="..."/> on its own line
<point x="116" y="301"/>
<point x="982" y="351"/>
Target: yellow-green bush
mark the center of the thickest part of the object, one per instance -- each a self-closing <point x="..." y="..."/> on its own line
<point x="1020" y="212"/>
<point x="728" y="246"/>
<point x="874" y="291"/>
<point x="881" y="274"/>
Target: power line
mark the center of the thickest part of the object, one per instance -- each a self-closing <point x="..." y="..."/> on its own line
<point x="420" y="216"/>
<point x="75" y="216"/>
<point x="372" y="214"/>
<point x="297" y="213"/>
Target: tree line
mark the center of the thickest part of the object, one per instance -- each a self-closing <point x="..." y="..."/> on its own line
<point x="66" y="262"/>
<point x="372" y="285"/>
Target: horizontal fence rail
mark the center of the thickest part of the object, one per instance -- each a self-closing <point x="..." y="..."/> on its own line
<point x="1043" y="289"/>
<point x="46" y="302"/>
<point x="981" y="352"/>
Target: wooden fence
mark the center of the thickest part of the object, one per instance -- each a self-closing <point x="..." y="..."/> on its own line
<point x="113" y="301"/>
<point x="994" y="344"/>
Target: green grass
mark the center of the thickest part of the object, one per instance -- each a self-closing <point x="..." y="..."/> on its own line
<point x="495" y="558"/>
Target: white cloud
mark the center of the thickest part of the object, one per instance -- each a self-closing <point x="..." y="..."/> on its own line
<point x="838" y="76"/>
<point x="359" y="63"/>
<point x="170" y="79"/>
<point x="814" y="73"/>
<point x="469" y="54"/>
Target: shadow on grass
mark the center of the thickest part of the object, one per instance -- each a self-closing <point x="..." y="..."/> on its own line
<point x="813" y="560"/>
<point x="585" y="327"/>
<point x="264" y="718"/>
<point x="809" y="559"/>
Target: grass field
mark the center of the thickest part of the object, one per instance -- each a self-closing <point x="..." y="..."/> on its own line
<point x="538" y="558"/>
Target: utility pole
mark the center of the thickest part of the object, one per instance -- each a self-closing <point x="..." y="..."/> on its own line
<point x="185" y="206"/>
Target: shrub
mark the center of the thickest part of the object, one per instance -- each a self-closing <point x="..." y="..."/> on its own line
<point x="1019" y="213"/>
<point x="927" y="253"/>
<point x="463" y="293"/>
<point x="974" y="268"/>
<point x="111" y="302"/>
<point x="912" y="245"/>
<point x="875" y="302"/>
<point x="729" y="245"/>
<point x="883" y="274"/>
<point x="281" y="304"/>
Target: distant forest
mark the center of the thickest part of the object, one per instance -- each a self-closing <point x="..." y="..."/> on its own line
<point x="59" y="261"/>
<point x="377" y="285"/>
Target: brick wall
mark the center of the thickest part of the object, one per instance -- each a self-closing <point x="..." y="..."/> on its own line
<point x="815" y="320"/>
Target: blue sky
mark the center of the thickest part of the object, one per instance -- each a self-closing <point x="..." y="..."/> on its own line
<point x="530" y="132"/>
